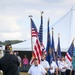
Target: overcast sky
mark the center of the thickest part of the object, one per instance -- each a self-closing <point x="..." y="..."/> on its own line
<point x="14" y="20"/>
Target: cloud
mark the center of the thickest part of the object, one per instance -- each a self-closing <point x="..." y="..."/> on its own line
<point x="70" y="1"/>
<point x="9" y="29"/>
<point x="12" y="28"/>
<point x="19" y="4"/>
<point x="15" y="36"/>
<point x="8" y="24"/>
<point x="10" y="36"/>
<point x="14" y="15"/>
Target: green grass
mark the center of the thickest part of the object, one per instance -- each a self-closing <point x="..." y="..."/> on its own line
<point x="22" y="73"/>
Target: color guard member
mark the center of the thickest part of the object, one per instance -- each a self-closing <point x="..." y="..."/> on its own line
<point x="36" y="69"/>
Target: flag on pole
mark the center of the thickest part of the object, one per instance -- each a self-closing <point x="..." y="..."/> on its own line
<point x="58" y="47"/>
<point x="69" y="53"/>
<point x="48" y="48"/>
<point x="34" y="31"/>
<point x="37" y="50"/>
<point x="40" y="34"/>
<point x="52" y="46"/>
<point x="73" y="59"/>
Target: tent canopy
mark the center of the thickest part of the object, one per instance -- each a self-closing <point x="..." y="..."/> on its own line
<point x="23" y="46"/>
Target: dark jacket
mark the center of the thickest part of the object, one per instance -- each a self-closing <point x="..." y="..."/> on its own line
<point x="9" y="65"/>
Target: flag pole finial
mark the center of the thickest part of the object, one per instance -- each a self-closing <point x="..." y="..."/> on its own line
<point x="52" y="28"/>
<point x="30" y="16"/>
<point x="73" y="39"/>
<point x="58" y="35"/>
<point x="42" y="12"/>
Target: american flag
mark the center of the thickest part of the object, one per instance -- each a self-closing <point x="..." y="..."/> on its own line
<point x="43" y="49"/>
<point x="69" y="54"/>
<point x="34" y="31"/>
<point x="37" y="50"/>
<point x="40" y="35"/>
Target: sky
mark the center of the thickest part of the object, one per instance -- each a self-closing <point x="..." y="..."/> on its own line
<point x="14" y="20"/>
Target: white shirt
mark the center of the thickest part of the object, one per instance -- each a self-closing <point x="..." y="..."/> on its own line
<point x="58" y="62"/>
<point x="45" y="64"/>
<point x="54" y="66"/>
<point x="69" y="64"/>
<point x="37" y="70"/>
<point x="63" y="64"/>
<point x="19" y="58"/>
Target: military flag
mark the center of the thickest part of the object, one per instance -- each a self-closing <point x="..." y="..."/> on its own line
<point x="53" y="46"/>
<point x="58" y="47"/>
<point x="48" y="47"/>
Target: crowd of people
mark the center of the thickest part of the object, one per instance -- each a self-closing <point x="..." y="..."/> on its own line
<point x="23" y="62"/>
<point x="58" y="67"/>
<point x="11" y="64"/>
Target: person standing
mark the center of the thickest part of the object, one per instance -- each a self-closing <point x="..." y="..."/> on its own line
<point x="53" y="68"/>
<point x="44" y="63"/>
<point x="63" y="66"/>
<point x="36" y="69"/>
<point x="58" y="61"/>
<point x="20" y="61"/>
<point x="9" y="64"/>
<point x="25" y="63"/>
<point x="69" y="68"/>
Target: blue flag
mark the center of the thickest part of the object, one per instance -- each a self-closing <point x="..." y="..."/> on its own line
<point x="48" y="48"/>
<point x="58" y="47"/>
<point x="53" y="47"/>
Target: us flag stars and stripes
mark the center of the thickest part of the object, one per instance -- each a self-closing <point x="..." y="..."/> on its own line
<point x="69" y="54"/>
<point x="37" y="49"/>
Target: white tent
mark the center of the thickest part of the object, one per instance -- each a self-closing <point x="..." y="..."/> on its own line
<point x="23" y="46"/>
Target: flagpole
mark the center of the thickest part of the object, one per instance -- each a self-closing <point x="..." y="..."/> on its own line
<point x="42" y="12"/>
<point x="58" y="35"/>
<point x="30" y="16"/>
<point x="53" y="41"/>
<point x="57" y="51"/>
<point x="58" y="39"/>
